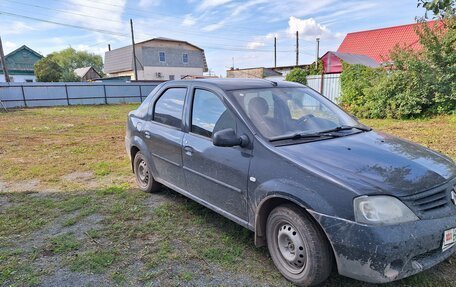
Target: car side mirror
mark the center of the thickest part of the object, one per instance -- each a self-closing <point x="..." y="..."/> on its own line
<point x="228" y="138"/>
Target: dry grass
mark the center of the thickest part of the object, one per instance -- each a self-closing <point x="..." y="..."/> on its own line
<point x="64" y="148"/>
<point x="437" y="133"/>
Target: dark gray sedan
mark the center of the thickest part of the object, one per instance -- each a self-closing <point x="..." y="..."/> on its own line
<point x="317" y="187"/>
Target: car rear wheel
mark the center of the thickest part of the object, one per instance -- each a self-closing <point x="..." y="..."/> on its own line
<point x="298" y="246"/>
<point x="143" y="174"/>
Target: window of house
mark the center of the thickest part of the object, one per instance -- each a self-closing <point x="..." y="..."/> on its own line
<point x="185" y="58"/>
<point x="169" y="107"/>
<point x="209" y="114"/>
<point x="162" y="56"/>
<point x="171" y="77"/>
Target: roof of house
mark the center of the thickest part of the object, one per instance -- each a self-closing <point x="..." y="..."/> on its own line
<point x="169" y="40"/>
<point x="21" y="62"/>
<point x="121" y="59"/>
<point x="353" y="59"/>
<point x="81" y="72"/>
<point x="378" y="43"/>
<point x="290" y="67"/>
<point x="23" y="47"/>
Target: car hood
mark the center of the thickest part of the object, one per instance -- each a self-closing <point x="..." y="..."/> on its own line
<point x="373" y="162"/>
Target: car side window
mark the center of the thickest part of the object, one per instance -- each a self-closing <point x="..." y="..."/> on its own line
<point x="209" y="114"/>
<point x="168" y="108"/>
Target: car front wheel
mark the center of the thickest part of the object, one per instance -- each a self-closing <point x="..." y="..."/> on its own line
<point x="298" y="246"/>
<point x="143" y="174"/>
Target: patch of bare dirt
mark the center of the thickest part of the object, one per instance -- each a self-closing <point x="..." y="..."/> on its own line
<point x="79" y="176"/>
<point x="83" y="225"/>
<point x="64" y="277"/>
<point x="3" y="186"/>
<point x="4" y="202"/>
<point x="84" y="178"/>
<point x="21" y="186"/>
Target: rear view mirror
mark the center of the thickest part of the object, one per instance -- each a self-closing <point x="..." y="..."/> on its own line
<point x="228" y="138"/>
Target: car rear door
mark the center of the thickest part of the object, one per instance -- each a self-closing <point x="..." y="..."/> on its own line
<point x="164" y="135"/>
<point x="216" y="175"/>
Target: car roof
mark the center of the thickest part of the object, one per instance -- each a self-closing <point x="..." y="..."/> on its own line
<point x="239" y="83"/>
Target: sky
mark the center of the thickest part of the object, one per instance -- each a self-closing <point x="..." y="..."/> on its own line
<point x="230" y="31"/>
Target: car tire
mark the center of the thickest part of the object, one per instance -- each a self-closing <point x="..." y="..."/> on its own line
<point x="143" y="174"/>
<point x="298" y="246"/>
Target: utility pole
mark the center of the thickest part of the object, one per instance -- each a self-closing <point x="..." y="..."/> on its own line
<point x="318" y="53"/>
<point x="275" y="52"/>
<point x="109" y="47"/>
<point x="134" y="52"/>
<point x="297" y="48"/>
<point x="2" y="60"/>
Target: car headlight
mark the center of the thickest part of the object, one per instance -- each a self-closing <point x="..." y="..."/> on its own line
<point x="381" y="210"/>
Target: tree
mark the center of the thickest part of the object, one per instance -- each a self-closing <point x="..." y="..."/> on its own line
<point x="297" y="75"/>
<point x="68" y="60"/>
<point x="440" y="8"/>
<point x="47" y="70"/>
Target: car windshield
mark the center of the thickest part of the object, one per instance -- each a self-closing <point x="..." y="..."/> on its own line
<point x="278" y="112"/>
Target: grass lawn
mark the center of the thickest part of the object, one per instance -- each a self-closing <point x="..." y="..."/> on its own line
<point x="70" y="213"/>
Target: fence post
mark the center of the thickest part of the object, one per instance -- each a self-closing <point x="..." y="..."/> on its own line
<point x="66" y="93"/>
<point x="321" y="82"/>
<point x="105" y="97"/>
<point x="140" y="93"/>
<point x="23" y="95"/>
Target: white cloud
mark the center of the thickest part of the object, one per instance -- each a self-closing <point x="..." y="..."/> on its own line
<point x="271" y="36"/>
<point x="309" y="29"/>
<point x="215" y="26"/>
<point x="95" y="15"/>
<point x="255" y="44"/>
<point x="18" y="27"/>
<point x="9" y="46"/>
<point x="148" y="3"/>
<point x="209" y="4"/>
<point x="189" y="20"/>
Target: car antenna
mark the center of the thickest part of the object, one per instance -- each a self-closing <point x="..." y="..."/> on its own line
<point x="272" y="82"/>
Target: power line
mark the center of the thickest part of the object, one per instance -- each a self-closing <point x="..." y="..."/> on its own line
<point x="103" y="31"/>
<point x="184" y="32"/>
<point x="144" y="14"/>
<point x="64" y="24"/>
<point x="63" y="11"/>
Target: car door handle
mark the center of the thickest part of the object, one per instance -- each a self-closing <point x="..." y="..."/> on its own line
<point x="147" y="134"/>
<point x="188" y="150"/>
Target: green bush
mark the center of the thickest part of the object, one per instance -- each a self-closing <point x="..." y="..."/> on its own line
<point x="297" y="75"/>
<point x="421" y="83"/>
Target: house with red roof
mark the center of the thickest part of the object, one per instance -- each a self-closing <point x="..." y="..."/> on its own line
<point x="378" y="43"/>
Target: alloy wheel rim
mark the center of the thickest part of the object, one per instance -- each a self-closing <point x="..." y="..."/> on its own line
<point x="291" y="248"/>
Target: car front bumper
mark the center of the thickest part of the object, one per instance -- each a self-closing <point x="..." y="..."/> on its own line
<point x="380" y="254"/>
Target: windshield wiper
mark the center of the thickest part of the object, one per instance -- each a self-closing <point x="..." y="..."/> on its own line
<point x="298" y="136"/>
<point x="320" y="134"/>
<point x="345" y="128"/>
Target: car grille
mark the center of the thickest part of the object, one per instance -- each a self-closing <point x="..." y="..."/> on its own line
<point x="432" y="203"/>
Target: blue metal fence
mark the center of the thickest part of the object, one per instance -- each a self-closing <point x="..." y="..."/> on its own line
<point x="17" y="95"/>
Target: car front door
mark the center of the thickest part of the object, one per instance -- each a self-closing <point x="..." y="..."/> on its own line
<point x="164" y="135"/>
<point x="216" y="175"/>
